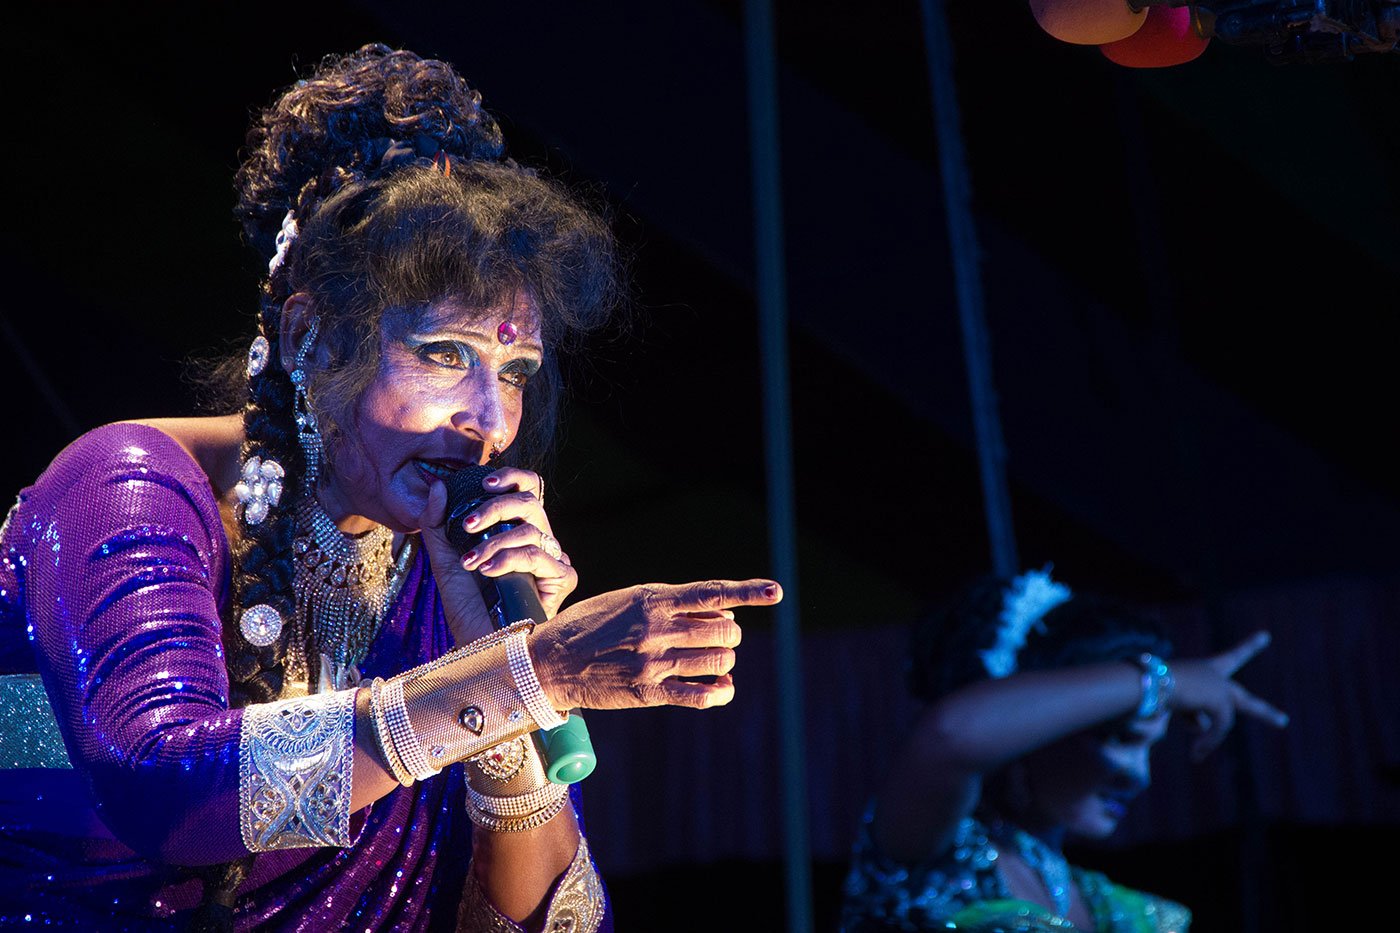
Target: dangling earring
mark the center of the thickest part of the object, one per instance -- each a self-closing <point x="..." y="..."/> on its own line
<point x="308" y="432"/>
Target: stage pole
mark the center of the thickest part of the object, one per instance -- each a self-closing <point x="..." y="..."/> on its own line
<point x="777" y="435"/>
<point x="967" y="278"/>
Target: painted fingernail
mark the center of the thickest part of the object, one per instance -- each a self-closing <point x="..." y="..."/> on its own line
<point x="470" y="520"/>
<point x="492" y="481"/>
<point x="468" y="557"/>
<point x="771" y="591"/>
<point x="487" y="566"/>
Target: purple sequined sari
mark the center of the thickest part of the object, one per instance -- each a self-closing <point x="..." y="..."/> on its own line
<point x="115" y="570"/>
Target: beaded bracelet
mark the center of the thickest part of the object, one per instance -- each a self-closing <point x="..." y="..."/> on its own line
<point x="1157" y="685"/>
<point x="519" y="805"/>
<point x="500" y="824"/>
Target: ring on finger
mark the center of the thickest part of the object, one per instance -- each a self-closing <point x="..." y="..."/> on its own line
<point x="550" y="546"/>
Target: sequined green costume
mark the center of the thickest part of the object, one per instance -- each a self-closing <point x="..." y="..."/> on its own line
<point x="963" y="890"/>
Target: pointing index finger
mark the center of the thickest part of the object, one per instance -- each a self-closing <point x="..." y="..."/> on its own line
<point x="722" y="594"/>
<point x="1240" y="655"/>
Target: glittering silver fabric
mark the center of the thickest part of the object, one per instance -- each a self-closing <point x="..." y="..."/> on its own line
<point x="295" y="758"/>
<point x="578" y="905"/>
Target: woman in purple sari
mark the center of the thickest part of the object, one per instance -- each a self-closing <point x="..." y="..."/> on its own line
<point x="247" y="681"/>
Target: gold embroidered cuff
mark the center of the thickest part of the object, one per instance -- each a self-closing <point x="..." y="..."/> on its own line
<point x="294" y="765"/>
<point x="465" y="702"/>
<point x="577" y="906"/>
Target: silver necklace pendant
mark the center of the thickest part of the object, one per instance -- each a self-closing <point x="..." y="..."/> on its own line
<point x="344" y="585"/>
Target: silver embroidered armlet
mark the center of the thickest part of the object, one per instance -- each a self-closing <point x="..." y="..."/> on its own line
<point x="576" y="907"/>
<point x="294" y="764"/>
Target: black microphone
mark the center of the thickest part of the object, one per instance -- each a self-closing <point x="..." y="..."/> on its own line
<point x="516" y="598"/>
<point x="567" y="750"/>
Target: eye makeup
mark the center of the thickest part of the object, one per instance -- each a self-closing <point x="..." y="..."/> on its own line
<point x="450" y="351"/>
<point x="443" y="349"/>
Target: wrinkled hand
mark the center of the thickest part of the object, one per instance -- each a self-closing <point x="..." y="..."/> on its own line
<point x="1205" y="689"/>
<point x="642" y="645"/>
<point x="522" y="548"/>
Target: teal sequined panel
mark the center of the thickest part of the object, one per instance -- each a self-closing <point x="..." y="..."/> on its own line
<point x="29" y="736"/>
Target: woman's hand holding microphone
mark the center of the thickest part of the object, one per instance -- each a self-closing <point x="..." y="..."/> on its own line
<point x="650" y="645"/>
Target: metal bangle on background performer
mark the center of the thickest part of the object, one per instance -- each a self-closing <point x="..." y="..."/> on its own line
<point x="249" y="681"/>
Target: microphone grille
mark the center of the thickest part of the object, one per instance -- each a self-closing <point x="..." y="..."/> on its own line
<point x="464" y="491"/>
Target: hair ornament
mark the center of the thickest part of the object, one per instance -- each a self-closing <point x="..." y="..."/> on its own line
<point x="257" y="355"/>
<point x="394" y="154"/>
<point x="1024" y="605"/>
<point x="261" y="625"/>
<point x="285" y="236"/>
<point x="260" y="488"/>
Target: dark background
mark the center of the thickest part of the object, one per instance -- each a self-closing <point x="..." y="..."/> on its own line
<point x="1191" y="289"/>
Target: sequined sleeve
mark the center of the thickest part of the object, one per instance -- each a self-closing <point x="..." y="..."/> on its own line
<point x="124" y="562"/>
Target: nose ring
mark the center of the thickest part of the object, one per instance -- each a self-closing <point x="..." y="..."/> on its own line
<point x="499" y="447"/>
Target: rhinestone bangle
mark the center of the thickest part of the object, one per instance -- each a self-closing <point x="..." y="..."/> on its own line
<point x="382" y="738"/>
<point x="531" y="693"/>
<point x="518" y="805"/>
<point x="405" y="740"/>
<point x="518" y="824"/>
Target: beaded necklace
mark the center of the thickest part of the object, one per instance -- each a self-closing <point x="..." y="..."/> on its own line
<point x="1050" y="867"/>
<point x="344" y="586"/>
<point x="1048" y="864"/>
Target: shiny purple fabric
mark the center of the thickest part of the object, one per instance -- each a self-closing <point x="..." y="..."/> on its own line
<point x="113" y="571"/>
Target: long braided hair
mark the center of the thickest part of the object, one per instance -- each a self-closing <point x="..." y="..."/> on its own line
<point x="359" y="154"/>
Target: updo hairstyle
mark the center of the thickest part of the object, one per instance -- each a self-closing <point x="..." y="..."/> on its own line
<point x="403" y="199"/>
<point x="945" y="643"/>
